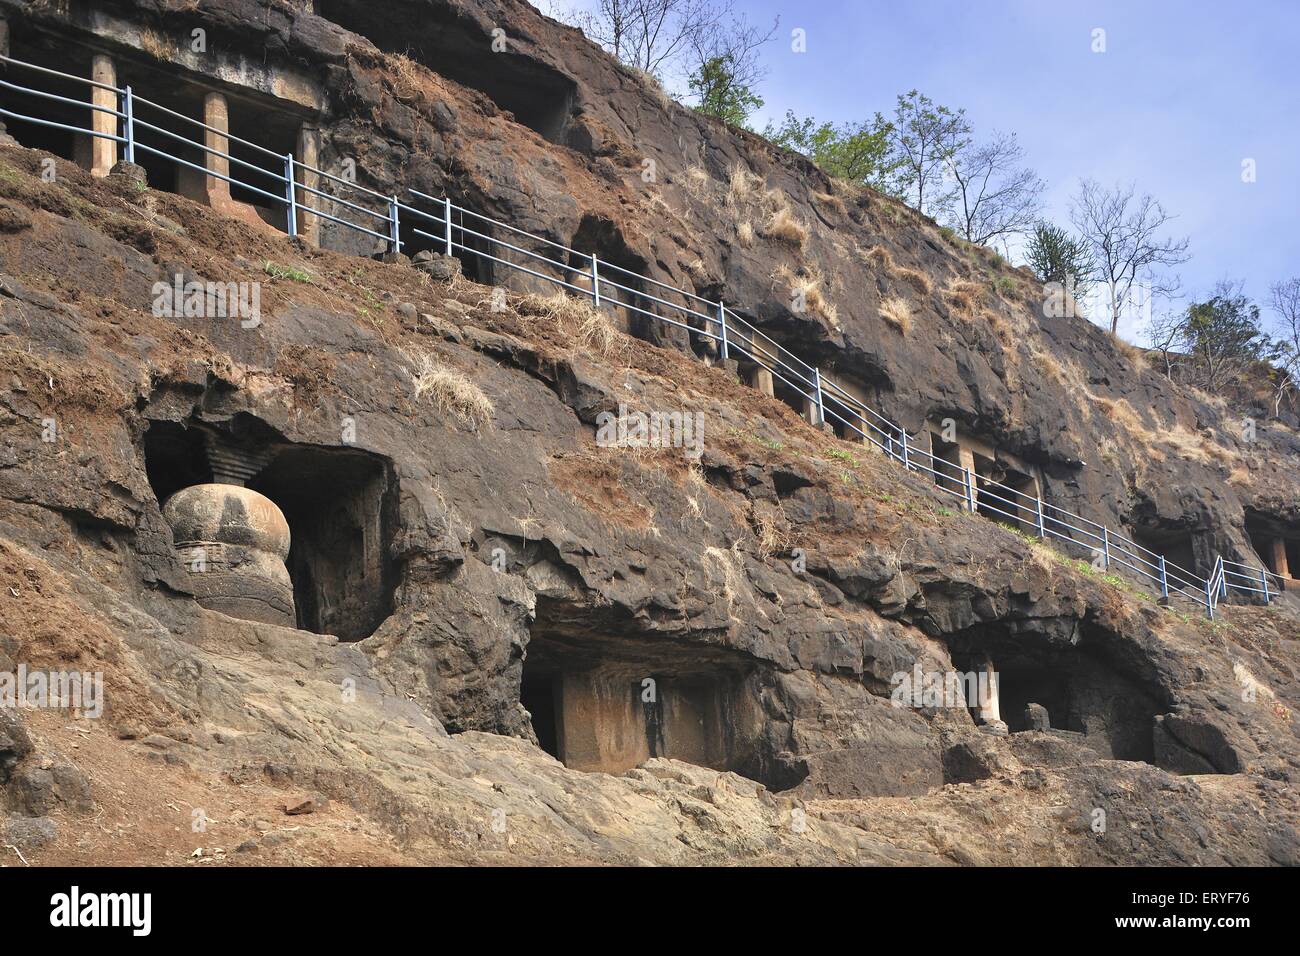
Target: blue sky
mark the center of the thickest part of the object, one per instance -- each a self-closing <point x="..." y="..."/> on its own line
<point x="1184" y="92"/>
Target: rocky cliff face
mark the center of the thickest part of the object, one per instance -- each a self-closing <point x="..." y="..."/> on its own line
<point x="476" y="576"/>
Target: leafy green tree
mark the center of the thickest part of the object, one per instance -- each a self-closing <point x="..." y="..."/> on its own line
<point x="858" y="152"/>
<point x="1057" y="256"/>
<point x="721" y="93"/>
<point x="1223" y="337"/>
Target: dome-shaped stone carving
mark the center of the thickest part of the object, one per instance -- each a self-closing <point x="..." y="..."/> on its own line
<point x="234" y="541"/>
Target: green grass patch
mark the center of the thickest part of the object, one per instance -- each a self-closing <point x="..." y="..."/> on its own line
<point x="286" y="272"/>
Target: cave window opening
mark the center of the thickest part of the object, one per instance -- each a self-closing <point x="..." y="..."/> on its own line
<point x="621" y="267"/>
<point x="1016" y="499"/>
<point x="259" y="120"/>
<point x="341" y="512"/>
<point x="339" y="504"/>
<point x="472" y="250"/>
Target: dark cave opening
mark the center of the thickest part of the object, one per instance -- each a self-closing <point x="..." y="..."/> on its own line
<point x="341" y="515"/>
<point x="1276" y="542"/>
<point x="1175" y="545"/>
<point x="1086" y="698"/>
<point x="339" y="503"/>
<point x="471" y="237"/>
<point x="605" y="703"/>
<point x="538" y="693"/>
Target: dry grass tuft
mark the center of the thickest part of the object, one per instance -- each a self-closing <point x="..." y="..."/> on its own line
<point x="832" y="201"/>
<point x="917" y="280"/>
<point x="696" y="180"/>
<point x="1240" y="477"/>
<point x="745" y="233"/>
<point x="742" y="187"/>
<point x="596" y="333"/>
<point x="772" y="537"/>
<point x="653" y="87"/>
<point x="964" y="297"/>
<point x="591" y="329"/>
<point x="1122" y="414"/>
<point x="153" y="43"/>
<point x="1249" y="682"/>
<point x="451" y="390"/>
<point x="410" y="79"/>
<point x="784" y="226"/>
<point x="1193" y="446"/>
<point x="1137" y="356"/>
<point x="898" y="312"/>
<point x="807" y="284"/>
<point x="880" y="256"/>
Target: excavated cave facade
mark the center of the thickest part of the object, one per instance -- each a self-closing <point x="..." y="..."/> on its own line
<point x="263" y="520"/>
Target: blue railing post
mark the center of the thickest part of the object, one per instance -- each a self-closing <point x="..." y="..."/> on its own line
<point x="722" y="322"/>
<point x="821" y="411"/>
<point x="1105" y="546"/>
<point x="395" y="235"/>
<point x="446" y="212"/>
<point x="907" y="461"/>
<point x="968" y="479"/>
<point x="291" y="194"/>
<point x="1164" y="578"/>
<point x="1042" y="525"/>
<point x="128" y="122"/>
<point x="595" y="282"/>
<point x="1263" y="577"/>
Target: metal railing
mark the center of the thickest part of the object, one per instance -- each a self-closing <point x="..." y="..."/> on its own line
<point x="612" y="286"/>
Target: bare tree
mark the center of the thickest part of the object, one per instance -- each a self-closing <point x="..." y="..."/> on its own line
<point x="656" y="36"/>
<point x="1284" y="299"/>
<point x="1121" y="228"/>
<point x="1164" y="333"/>
<point x="996" y="196"/>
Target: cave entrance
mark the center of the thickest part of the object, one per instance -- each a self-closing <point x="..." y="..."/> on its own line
<point x="1009" y="494"/>
<point x="622" y="285"/>
<point x="341" y="513"/>
<point x="1176" y="545"/>
<point x="1277" y="543"/>
<point x="51" y="53"/>
<point x="948" y="473"/>
<point x="339" y="503"/>
<point x="607" y="704"/>
<point x="540" y="694"/>
<point x="1086" y="698"/>
<point x="169" y="105"/>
